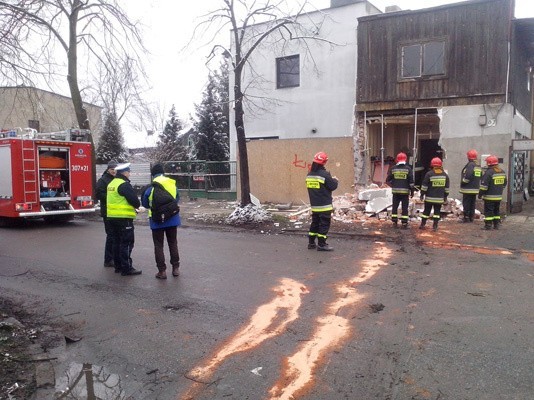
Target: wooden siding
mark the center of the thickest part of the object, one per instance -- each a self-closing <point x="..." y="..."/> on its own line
<point x="476" y="37"/>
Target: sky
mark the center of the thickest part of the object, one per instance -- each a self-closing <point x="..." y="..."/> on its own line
<point x="177" y="63"/>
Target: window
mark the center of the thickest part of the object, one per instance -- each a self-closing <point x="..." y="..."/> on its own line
<point x="423" y="59"/>
<point x="288" y="71"/>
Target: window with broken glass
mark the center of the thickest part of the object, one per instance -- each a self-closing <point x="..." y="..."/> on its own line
<point x="288" y="71"/>
<point x="420" y="60"/>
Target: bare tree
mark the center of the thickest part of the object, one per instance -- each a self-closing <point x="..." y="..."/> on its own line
<point x="102" y="30"/>
<point x="254" y="24"/>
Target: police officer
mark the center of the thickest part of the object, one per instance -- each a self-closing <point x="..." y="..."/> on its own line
<point x="320" y="186"/>
<point x="122" y="203"/>
<point x="491" y="189"/>
<point x="470" y="185"/>
<point x="101" y="194"/>
<point x="400" y="178"/>
<point x="434" y="191"/>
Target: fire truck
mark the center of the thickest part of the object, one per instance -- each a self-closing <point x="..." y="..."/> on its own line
<point x="45" y="175"/>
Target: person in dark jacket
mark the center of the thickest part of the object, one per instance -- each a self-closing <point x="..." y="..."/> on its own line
<point x="400" y="178"/>
<point x="168" y="228"/>
<point x="434" y="191"/>
<point x="470" y="185"/>
<point x="122" y="205"/>
<point x="492" y="187"/>
<point x="320" y="185"/>
<point x="101" y="195"/>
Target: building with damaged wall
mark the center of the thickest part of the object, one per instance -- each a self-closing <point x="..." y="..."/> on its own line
<point x="442" y="80"/>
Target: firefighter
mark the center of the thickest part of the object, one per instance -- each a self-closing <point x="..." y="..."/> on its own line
<point x="122" y="205"/>
<point x="491" y="188"/>
<point x="320" y="186"/>
<point x="101" y="195"/>
<point x="400" y="178"/>
<point x="470" y="185"/>
<point x="434" y="191"/>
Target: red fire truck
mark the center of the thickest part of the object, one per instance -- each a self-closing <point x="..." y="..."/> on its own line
<point x="45" y="175"/>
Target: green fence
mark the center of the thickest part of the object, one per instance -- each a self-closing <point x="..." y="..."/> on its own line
<point x="204" y="179"/>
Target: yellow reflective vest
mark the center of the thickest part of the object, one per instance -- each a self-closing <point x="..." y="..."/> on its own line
<point x="118" y="206"/>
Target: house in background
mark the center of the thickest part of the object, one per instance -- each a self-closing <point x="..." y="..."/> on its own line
<point x="29" y="107"/>
<point x="301" y="92"/>
<point x="443" y="80"/>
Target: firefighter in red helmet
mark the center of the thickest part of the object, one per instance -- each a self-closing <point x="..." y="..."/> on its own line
<point x="492" y="187"/>
<point x="470" y="185"/>
<point x="400" y="178"/>
<point x="434" y="191"/>
<point x="320" y="185"/>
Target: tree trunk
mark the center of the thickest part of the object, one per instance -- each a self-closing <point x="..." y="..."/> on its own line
<point x="72" y="79"/>
<point x="241" y="140"/>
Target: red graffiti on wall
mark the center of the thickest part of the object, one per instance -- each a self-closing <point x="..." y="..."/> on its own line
<point x="301" y="163"/>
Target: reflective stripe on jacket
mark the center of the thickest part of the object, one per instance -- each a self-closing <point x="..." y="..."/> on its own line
<point x="435" y="186"/>
<point x="471" y="175"/>
<point x="493" y="183"/>
<point x="117" y="205"/>
<point x="320" y="185"/>
<point x="400" y="178"/>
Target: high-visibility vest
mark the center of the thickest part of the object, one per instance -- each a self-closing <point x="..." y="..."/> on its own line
<point x="168" y="184"/>
<point x="118" y="206"/>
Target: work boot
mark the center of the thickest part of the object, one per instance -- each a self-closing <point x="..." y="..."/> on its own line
<point x="487" y="226"/>
<point x="423" y="223"/>
<point x="404" y="225"/>
<point x="496" y="224"/>
<point x="109" y="264"/>
<point x="395" y="224"/>
<point x="324" y="247"/>
<point x="435" y="225"/>
<point x="175" y="271"/>
<point x="161" y="275"/>
<point x="131" y="271"/>
<point x="311" y="242"/>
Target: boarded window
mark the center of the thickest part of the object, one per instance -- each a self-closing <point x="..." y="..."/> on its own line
<point x="423" y="59"/>
<point x="288" y="71"/>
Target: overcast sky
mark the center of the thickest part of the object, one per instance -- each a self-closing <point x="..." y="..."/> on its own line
<point x="178" y="75"/>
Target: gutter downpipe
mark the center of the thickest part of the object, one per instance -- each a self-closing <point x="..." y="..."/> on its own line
<point x="382" y="148"/>
<point x="414" y="145"/>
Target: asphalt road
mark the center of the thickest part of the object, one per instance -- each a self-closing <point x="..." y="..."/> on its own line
<point x="259" y="316"/>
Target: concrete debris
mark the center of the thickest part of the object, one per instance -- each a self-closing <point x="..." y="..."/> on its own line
<point x="370" y="194"/>
<point x="248" y="214"/>
<point x="378" y="204"/>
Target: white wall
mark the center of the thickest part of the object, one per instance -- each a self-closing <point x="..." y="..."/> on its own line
<point x="325" y="99"/>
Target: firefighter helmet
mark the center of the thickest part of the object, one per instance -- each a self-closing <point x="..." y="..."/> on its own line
<point x="436" y="162"/>
<point x="492" y="160"/>
<point x="472" y="154"/>
<point x="320" y="158"/>
<point x="402" y="157"/>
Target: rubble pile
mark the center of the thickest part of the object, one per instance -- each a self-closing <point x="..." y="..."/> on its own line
<point x="248" y="214"/>
<point x="375" y="202"/>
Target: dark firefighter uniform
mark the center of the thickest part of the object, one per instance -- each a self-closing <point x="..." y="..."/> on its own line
<point x="122" y="202"/>
<point x="491" y="189"/>
<point x="469" y="187"/>
<point x="435" y="189"/>
<point x="320" y="185"/>
<point x="400" y="178"/>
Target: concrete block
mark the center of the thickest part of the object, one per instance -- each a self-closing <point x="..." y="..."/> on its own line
<point x="369" y="194"/>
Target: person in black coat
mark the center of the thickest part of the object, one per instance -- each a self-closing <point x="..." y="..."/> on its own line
<point x="320" y="185"/>
<point x="101" y="195"/>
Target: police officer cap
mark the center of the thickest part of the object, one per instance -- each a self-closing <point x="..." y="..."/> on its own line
<point x="124" y="167"/>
